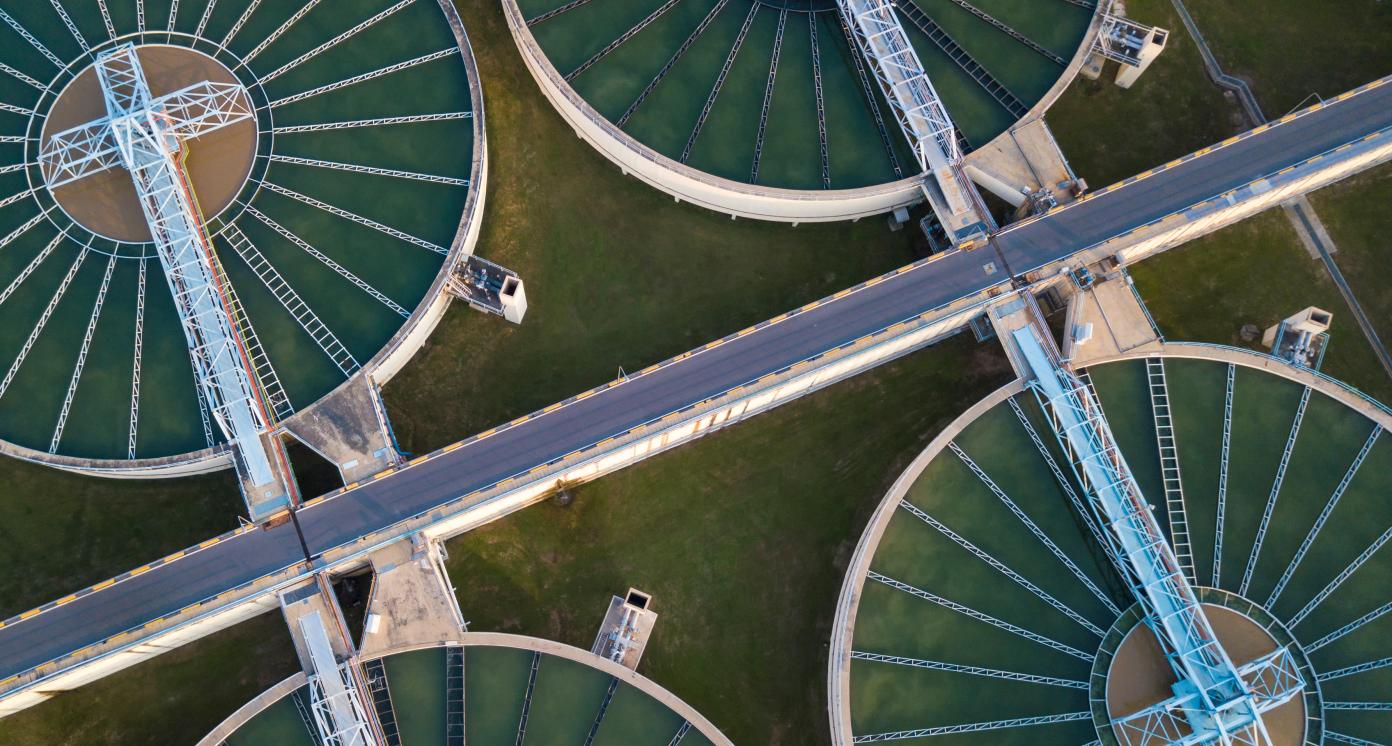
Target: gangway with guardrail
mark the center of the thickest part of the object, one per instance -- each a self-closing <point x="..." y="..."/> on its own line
<point x="1214" y="700"/>
<point x="921" y="114"/>
<point x="145" y="135"/>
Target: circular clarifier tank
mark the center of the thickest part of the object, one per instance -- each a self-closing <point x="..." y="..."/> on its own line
<point x="333" y="213"/>
<point x="489" y="689"/>
<point x="765" y="108"/>
<point x="980" y="606"/>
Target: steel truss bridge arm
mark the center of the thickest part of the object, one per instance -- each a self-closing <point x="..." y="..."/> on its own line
<point x="1215" y="701"/>
<point x="144" y="135"/>
<point x="919" y="110"/>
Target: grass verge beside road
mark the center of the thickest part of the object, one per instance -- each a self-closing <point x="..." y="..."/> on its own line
<point x="743" y="538"/>
<point x="1109" y="133"/>
<point x="1355" y="213"/>
<point x="1287" y="50"/>
<point x="174" y="699"/>
<point x="1255" y="272"/>
<point x="617" y="273"/>
<point x="60" y="532"/>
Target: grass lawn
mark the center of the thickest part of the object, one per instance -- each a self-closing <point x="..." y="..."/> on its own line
<point x="60" y="532"/>
<point x="1109" y="133"/>
<point x="617" y="273"/>
<point x="743" y="538"/>
<point x="174" y="699"/>
<point x="1289" y="49"/>
<point x="1255" y="272"/>
<point x="1355" y="213"/>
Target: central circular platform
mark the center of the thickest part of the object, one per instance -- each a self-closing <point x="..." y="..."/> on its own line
<point x="218" y="163"/>
<point x="334" y="217"/>
<point x="1138" y="675"/>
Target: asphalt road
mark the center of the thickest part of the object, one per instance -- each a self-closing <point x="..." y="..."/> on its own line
<point x="342" y="519"/>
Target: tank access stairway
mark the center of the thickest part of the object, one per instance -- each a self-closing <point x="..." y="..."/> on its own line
<point x="1214" y="701"/>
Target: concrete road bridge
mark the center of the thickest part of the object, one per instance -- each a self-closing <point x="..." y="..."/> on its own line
<point x="118" y="622"/>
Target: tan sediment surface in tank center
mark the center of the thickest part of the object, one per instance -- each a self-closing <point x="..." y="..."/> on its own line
<point x="218" y="163"/>
<point x="1139" y="675"/>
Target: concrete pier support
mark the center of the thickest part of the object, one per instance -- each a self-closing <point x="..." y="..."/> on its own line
<point x="412" y="601"/>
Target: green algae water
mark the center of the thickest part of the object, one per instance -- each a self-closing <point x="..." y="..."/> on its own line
<point x="960" y="585"/>
<point x="655" y="70"/>
<point x="567" y="702"/>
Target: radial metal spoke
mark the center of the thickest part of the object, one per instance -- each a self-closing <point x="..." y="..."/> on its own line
<point x="1067" y="487"/>
<point x="20" y="110"/>
<point x="624" y="37"/>
<point x="72" y="27"/>
<point x="821" y="104"/>
<point x="326" y="261"/>
<point x="139" y="24"/>
<point x="978" y="616"/>
<point x="1001" y="567"/>
<point x="973" y="727"/>
<point x="1323" y="516"/>
<point x="22" y="77"/>
<point x="82" y="355"/>
<point x="173" y="16"/>
<point x="135" y="369"/>
<point x="1270" y="508"/>
<point x="992" y="673"/>
<point x="869" y="93"/>
<point x="331" y="43"/>
<point x="1350" y="628"/>
<point x="1223" y="478"/>
<point x="378" y="122"/>
<point x="33" y="42"/>
<point x="13" y="138"/>
<point x="1359" y="706"/>
<point x="768" y="94"/>
<point x="364" y="77"/>
<point x="360" y="169"/>
<point x="1032" y="526"/>
<point x="203" y="21"/>
<point x="1330" y="735"/>
<point x="106" y="19"/>
<point x="29" y="268"/>
<point x="42" y="322"/>
<point x="271" y="37"/>
<point x="720" y="80"/>
<point x="240" y="22"/>
<point x="17" y="196"/>
<point x="548" y="15"/>
<point x="1334" y="584"/>
<point x="340" y="212"/>
<point x="23" y="228"/>
<point x="672" y="62"/>
<point x="1011" y="32"/>
<point x="1355" y="670"/>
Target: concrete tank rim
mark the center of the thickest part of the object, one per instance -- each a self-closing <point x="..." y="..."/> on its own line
<point x="823" y="202"/>
<point x="486" y="639"/>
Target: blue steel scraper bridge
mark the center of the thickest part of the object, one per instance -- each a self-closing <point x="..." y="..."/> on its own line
<point x="113" y="624"/>
<point x="1215" y="701"/>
